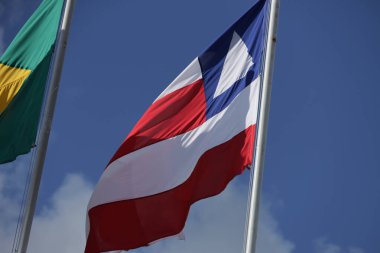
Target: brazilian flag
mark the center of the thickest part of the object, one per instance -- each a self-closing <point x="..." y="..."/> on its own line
<point x="24" y="68"/>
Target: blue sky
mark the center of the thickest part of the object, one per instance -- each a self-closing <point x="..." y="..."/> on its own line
<point x="320" y="191"/>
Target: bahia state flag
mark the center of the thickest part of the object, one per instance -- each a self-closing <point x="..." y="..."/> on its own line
<point x="24" y="68"/>
<point x="190" y="143"/>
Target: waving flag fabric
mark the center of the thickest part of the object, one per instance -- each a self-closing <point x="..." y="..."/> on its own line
<point x="24" y="69"/>
<point x="190" y="143"/>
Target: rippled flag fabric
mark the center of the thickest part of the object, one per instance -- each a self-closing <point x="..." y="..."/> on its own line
<point x="24" y="69"/>
<point x="190" y="143"/>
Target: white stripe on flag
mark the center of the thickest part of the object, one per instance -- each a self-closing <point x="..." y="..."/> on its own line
<point x="236" y="65"/>
<point x="191" y="74"/>
<point x="169" y="163"/>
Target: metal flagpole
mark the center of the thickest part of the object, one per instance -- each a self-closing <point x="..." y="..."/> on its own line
<point x="47" y="119"/>
<point x="257" y="172"/>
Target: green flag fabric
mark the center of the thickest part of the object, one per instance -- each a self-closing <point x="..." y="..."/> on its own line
<point x="24" y="68"/>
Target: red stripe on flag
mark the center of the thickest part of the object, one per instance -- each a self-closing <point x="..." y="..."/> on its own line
<point x="130" y="224"/>
<point x="176" y="113"/>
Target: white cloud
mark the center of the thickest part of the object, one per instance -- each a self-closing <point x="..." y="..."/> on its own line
<point x="321" y="245"/>
<point x="270" y="238"/>
<point x="12" y="179"/>
<point x="59" y="227"/>
<point x="355" y="250"/>
<point x="214" y="225"/>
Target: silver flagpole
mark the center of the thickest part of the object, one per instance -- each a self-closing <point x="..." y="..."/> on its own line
<point x="257" y="174"/>
<point x="47" y="119"/>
